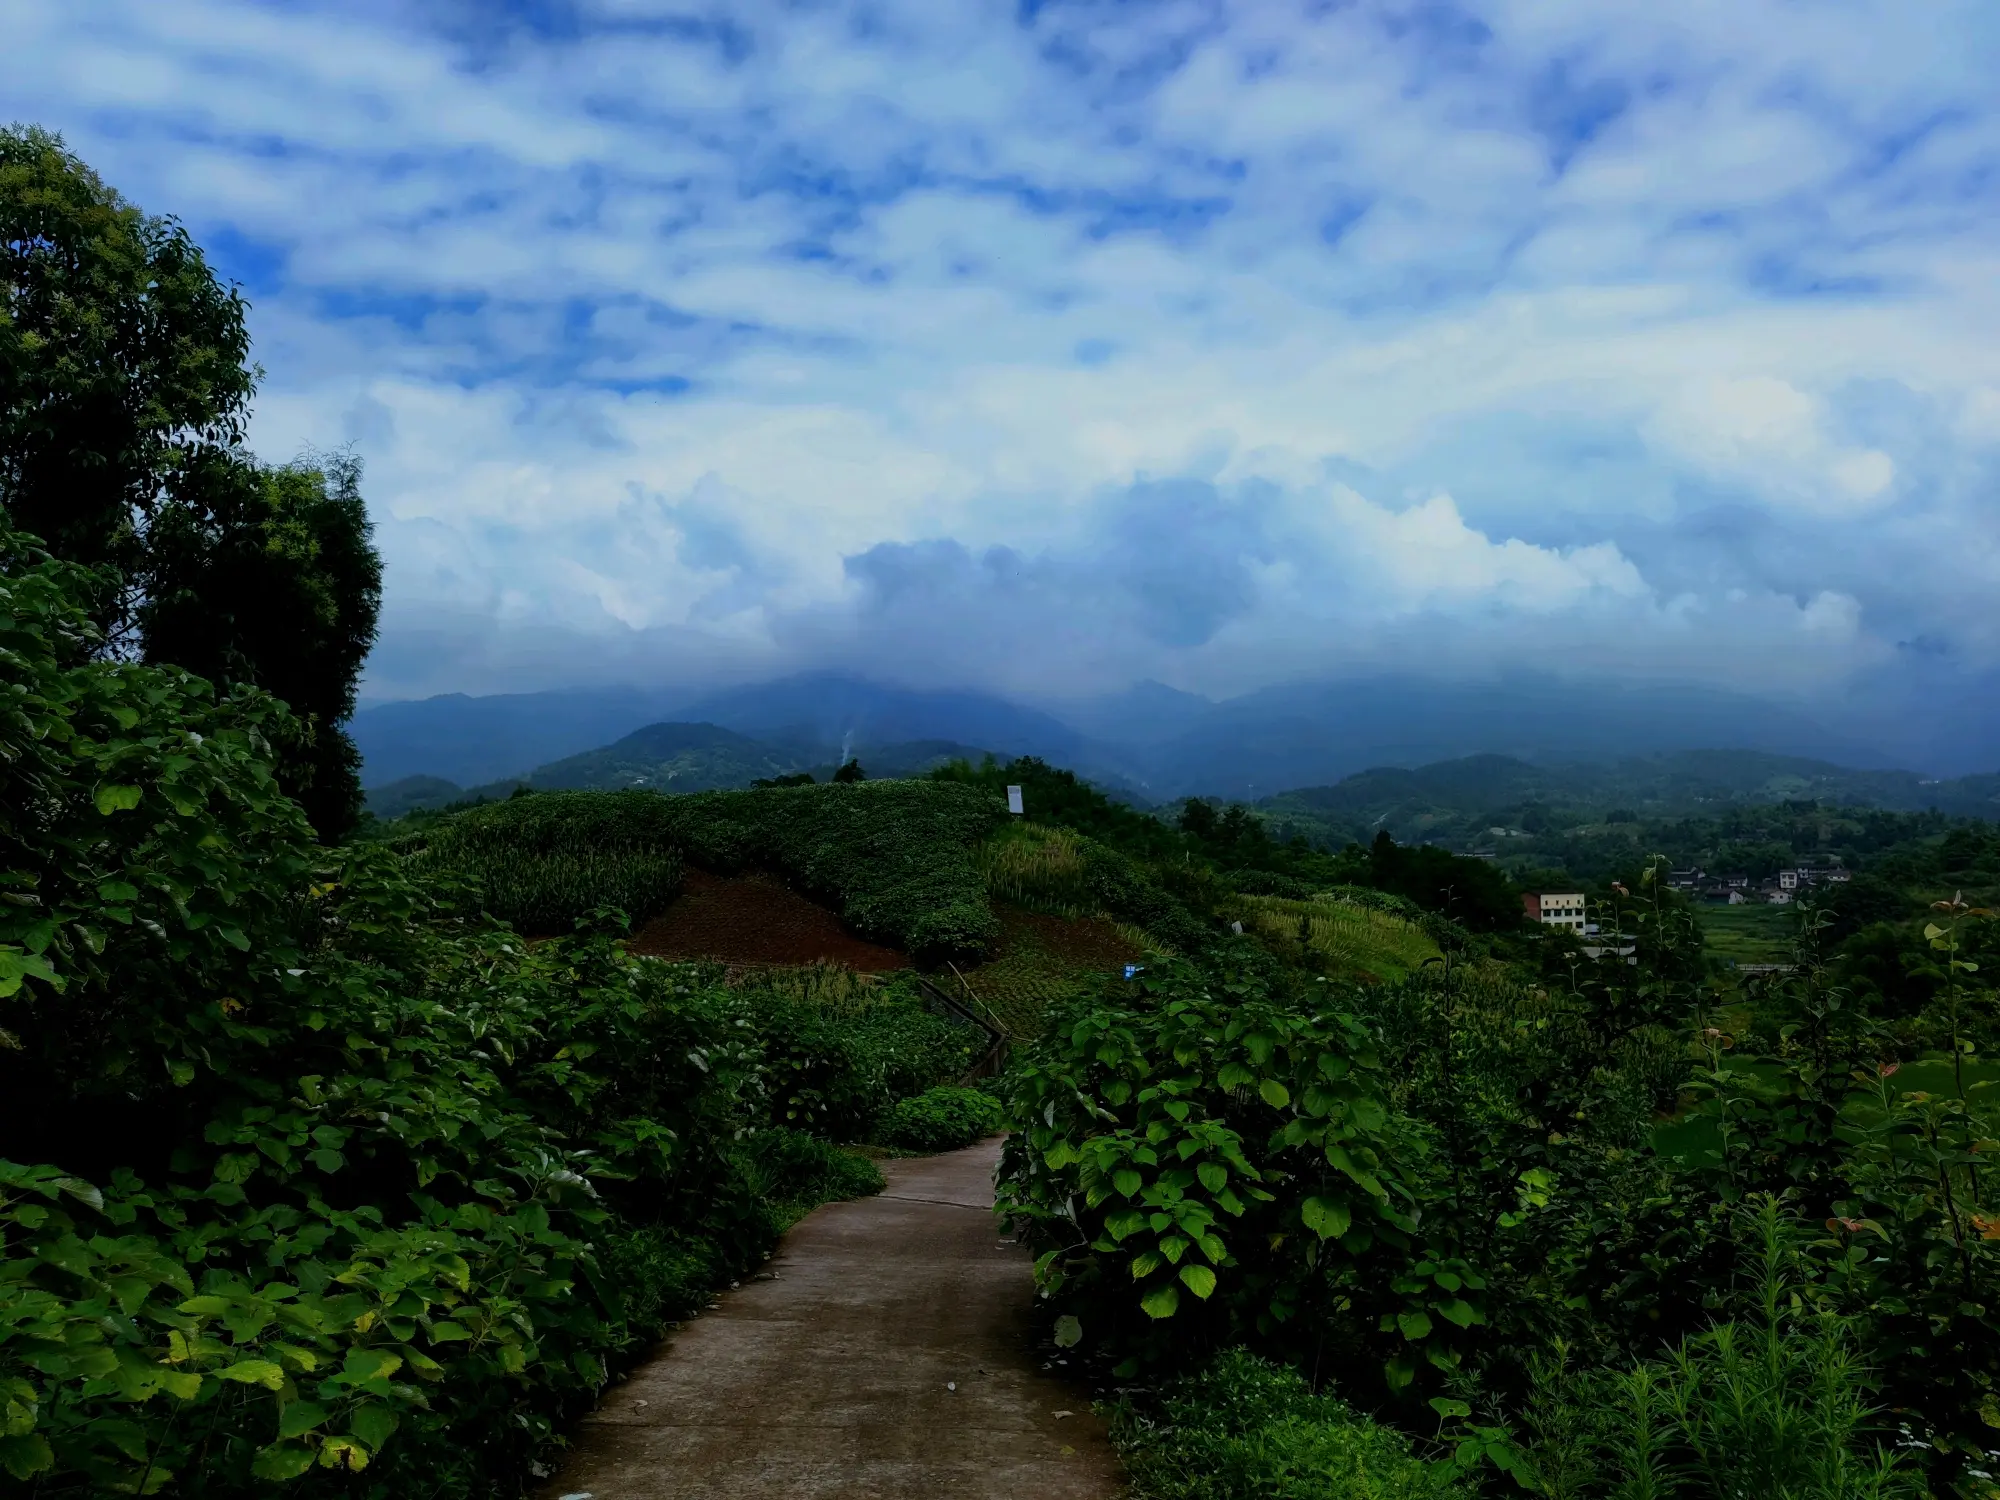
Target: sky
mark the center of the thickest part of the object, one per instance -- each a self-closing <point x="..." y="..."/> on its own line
<point x="1045" y="347"/>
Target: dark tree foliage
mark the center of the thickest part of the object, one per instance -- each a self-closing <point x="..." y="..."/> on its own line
<point x="1469" y="891"/>
<point x="124" y="390"/>
<point x="122" y="360"/>
<point x="850" y="772"/>
<point x="271" y="579"/>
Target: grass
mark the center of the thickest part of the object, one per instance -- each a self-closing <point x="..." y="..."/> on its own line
<point x="1043" y="869"/>
<point x="1351" y="940"/>
<point x="1243" y="1428"/>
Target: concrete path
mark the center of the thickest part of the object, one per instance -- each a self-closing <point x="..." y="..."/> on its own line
<point x="833" y="1372"/>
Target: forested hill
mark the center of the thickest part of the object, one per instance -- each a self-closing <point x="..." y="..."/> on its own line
<point x="1465" y="801"/>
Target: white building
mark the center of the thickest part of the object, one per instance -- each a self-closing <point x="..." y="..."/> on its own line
<point x="1563" y="910"/>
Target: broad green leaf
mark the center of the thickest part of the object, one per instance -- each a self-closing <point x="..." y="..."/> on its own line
<point x="1326" y="1217"/>
<point x="1274" y="1093"/>
<point x="1069" y="1332"/>
<point x="1198" y="1279"/>
<point x="111" y="799"/>
<point x="282" y="1461"/>
<point x="1459" y="1311"/>
<point x="300" y="1417"/>
<point x="264" y="1372"/>
<point x="373" y="1422"/>
<point x="1127" y="1181"/>
<point x="1415" y="1325"/>
<point x="369" y="1364"/>
<point x="1214" y="1175"/>
<point x="1445" y="1406"/>
<point x="26" y="1456"/>
<point x="1161" y="1302"/>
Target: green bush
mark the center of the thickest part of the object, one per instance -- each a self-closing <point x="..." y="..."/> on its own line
<point x="1243" y="1428"/>
<point x="834" y="1072"/>
<point x="1205" y="1161"/>
<point x="941" y="1119"/>
<point x="312" y="1179"/>
<point x="791" y="1171"/>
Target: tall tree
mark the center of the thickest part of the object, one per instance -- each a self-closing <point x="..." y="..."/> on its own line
<point x="125" y="385"/>
<point x="123" y="361"/>
<point x="267" y="575"/>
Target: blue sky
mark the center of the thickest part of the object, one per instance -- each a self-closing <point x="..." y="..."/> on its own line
<point x="1046" y="346"/>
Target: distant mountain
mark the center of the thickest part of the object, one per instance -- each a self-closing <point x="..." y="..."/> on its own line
<point x="1461" y="797"/>
<point x="1147" y="713"/>
<point x="469" y="741"/>
<point x="1315" y="734"/>
<point x="473" y="741"/>
<point x="1155" y="742"/>
<point x="413" y="794"/>
<point x="851" y="714"/>
<point x="672" y="757"/>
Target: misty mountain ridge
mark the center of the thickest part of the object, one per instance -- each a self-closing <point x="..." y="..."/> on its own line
<point x="670" y="757"/>
<point x="1160" y="742"/>
<point x="1411" y="802"/>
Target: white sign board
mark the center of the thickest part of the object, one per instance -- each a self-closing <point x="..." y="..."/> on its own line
<point x="1014" y="801"/>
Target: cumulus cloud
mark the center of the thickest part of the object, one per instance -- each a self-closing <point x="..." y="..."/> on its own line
<point x="1772" y="438"/>
<point x="1214" y="343"/>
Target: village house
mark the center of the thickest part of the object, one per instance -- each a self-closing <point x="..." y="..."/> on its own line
<point x="1564" y="910"/>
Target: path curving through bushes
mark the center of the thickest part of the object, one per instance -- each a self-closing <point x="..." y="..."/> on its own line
<point x="885" y="1352"/>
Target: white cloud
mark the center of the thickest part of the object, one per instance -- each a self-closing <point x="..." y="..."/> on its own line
<point x="1772" y="438"/>
<point x="1544" y="322"/>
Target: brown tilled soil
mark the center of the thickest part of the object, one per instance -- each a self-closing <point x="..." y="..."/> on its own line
<point x="1087" y="943"/>
<point x="752" y="919"/>
<point x="887" y="1353"/>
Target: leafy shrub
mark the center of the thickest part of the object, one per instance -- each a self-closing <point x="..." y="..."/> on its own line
<point x="1205" y="1163"/>
<point x="792" y="1171"/>
<point x="354" y="1191"/>
<point x="834" y="1072"/>
<point x="1243" y="1428"/>
<point x="941" y="1119"/>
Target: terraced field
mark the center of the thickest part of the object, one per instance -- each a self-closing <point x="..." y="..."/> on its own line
<point x="1040" y="959"/>
<point x="1354" y="942"/>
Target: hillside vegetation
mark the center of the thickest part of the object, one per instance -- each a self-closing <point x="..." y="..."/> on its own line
<point x="894" y="858"/>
